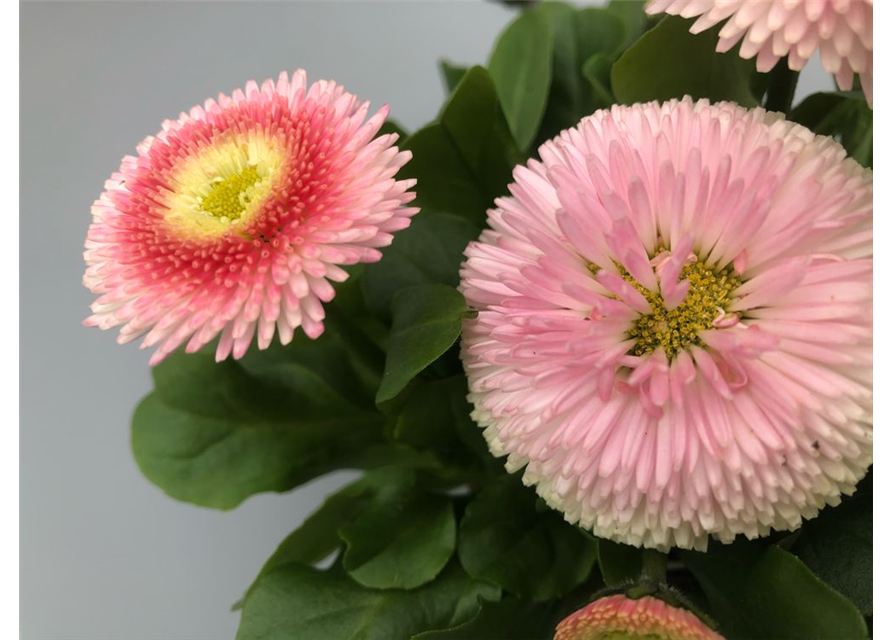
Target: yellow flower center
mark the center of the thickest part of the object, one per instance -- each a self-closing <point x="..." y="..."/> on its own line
<point x="219" y="189"/>
<point x="709" y="296"/>
<point x="230" y="196"/>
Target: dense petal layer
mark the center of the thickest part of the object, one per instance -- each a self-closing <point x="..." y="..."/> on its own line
<point x="675" y="323"/>
<point x="618" y="617"/>
<point x="234" y="219"/>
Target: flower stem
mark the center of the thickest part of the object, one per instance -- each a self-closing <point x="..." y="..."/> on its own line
<point x="782" y="85"/>
<point x="654" y="566"/>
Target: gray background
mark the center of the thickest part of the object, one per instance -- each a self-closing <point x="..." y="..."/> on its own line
<point x="104" y="554"/>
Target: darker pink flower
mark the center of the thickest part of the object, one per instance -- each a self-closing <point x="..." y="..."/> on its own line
<point x="233" y="220"/>
<point x="619" y="618"/>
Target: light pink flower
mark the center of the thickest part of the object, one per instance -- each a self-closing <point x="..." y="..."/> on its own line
<point x="616" y="617"/>
<point x="235" y="217"/>
<point x="675" y="323"/>
<point x="769" y="29"/>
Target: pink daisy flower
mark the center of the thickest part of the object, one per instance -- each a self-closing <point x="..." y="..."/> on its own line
<point x="233" y="220"/>
<point x="648" y="618"/>
<point x="675" y="323"/>
<point x="769" y="29"/>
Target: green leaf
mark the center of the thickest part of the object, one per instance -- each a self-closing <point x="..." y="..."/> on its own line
<point x="296" y="602"/>
<point x="578" y="35"/>
<point x="508" y="619"/>
<point x="402" y="539"/>
<point x="478" y="128"/>
<point x="429" y="251"/>
<point x="445" y="182"/>
<point x="597" y="71"/>
<point x="452" y="74"/>
<point x="838" y="546"/>
<point x="318" y="536"/>
<point x="521" y="67"/>
<point x="465" y="159"/>
<point x="427" y="321"/>
<point x="435" y="414"/>
<point x="619" y="563"/>
<point x="669" y="62"/>
<point x="845" y="116"/>
<point x="632" y="14"/>
<point x="214" y="434"/>
<point x="504" y="538"/>
<point x="770" y="594"/>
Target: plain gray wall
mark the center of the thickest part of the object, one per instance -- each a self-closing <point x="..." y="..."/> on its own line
<point x="104" y="554"/>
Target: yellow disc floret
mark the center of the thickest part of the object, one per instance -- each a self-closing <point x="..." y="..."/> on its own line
<point x="220" y="188"/>
<point x="709" y="297"/>
<point x="230" y="196"/>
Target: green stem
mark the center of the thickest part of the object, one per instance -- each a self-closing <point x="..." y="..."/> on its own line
<point x="654" y="566"/>
<point x="782" y="85"/>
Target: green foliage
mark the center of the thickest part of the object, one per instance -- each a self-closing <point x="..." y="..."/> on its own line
<point x="669" y="62"/>
<point x="767" y="593"/>
<point x="464" y="159"/>
<point x="429" y="252"/>
<point x="521" y="66"/>
<point x="507" y="619"/>
<point x="578" y="36"/>
<point x="837" y="546"/>
<point x="619" y="563"/>
<point x="507" y="538"/>
<point x="845" y="116"/>
<point x="427" y="321"/>
<point x="216" y="433"/>
<point x="296" y="602"/>
<point x="402" y="539"/>
<point x="451" y="74"/>
<point x="632" y="14"/>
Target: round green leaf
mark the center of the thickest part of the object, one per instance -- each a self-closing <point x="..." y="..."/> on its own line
<point x="297" y="602"/>
<point x="427" y="321"/>
<point x="838" y="546"/>
<point x="508" y="619"/>
<point x="521" y="67"/>
<point x="506" y="539"/>
<point x="445" y="181"/>
<point x="465" y="159"/>
<point x="578" y="35"/>
<point x="215" y="433"/>
<point x="402" y="539"/>
<point x="770" y="594"/>
<point x="428" y="252"/>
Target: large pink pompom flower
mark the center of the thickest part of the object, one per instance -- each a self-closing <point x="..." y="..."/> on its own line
<point x="675" y="323"/>
<point x="769" y="29"/>
<point x="235" y="217"/>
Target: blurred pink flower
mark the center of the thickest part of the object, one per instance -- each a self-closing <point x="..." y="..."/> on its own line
<point x="235" y="217"/>
<point x="675" y="323"/>
<point x="616" y="617"/>
<point x="840" y="29"/>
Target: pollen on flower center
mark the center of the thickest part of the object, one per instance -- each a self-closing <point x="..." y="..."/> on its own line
<point x="230" y="196"/>
<point x="709" y="296"/>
